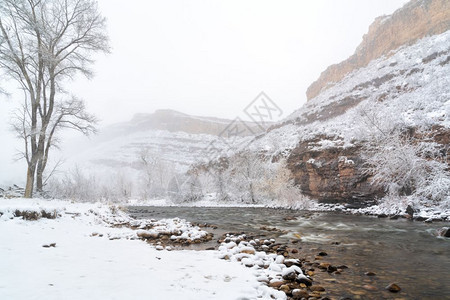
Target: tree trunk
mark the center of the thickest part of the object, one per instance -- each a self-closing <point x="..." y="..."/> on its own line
<point x="39" y="176"/>
<point x="30" y="182"/>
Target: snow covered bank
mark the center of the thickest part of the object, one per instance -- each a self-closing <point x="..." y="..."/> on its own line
<point x="92" y="259"/>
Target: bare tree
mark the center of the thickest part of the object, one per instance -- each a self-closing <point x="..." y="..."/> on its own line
<point x="42" y="44"/>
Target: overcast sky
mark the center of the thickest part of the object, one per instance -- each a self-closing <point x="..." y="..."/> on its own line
<point x="210" y="57"/>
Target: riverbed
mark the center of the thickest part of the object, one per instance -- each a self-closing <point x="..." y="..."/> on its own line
<point x="401" y="251"/>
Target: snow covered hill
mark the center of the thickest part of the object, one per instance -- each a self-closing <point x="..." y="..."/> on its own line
<point x="408" y="89"/>
<point x="147" y="152"/>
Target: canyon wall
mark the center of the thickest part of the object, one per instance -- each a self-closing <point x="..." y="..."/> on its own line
<point x="415" y="20"/>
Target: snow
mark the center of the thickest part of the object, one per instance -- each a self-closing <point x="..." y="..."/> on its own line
<point x="94" y="260"/>
<point x="417" y="94"/>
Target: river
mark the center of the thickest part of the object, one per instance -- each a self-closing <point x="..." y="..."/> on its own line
<point x="401" y="251"/>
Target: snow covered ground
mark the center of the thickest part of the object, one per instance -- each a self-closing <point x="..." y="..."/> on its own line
<point x="93" y="260"/>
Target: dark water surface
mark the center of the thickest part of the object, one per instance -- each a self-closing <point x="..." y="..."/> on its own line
<point x="405" y="252"/>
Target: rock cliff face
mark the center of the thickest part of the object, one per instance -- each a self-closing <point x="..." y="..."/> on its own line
<point x="415" y="20"/>
<point x="332" y="175"/>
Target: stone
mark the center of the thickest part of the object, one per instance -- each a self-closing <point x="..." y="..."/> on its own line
<point x="276" y="284"/>
<point x="304" y="280"/>
<point x="444" y="231"/>
<point x="317" y="288"/>
<point x="292" y="262"/>
<point x="147" y="234"/>
<point x="369" y="287"/>
<point x="369" y="274"/>
<point x="331" y="269"/>
<point x="248" y="251"/>
<point x="410" y="210"/>
<point x="298" y="294"/>
<point x="358" y="293"/>
<point x="290" y="276"/>
<point x="324" y="266"/>
<point x="322" y="253"/>
<point x="393" y="288"/>
<point x="285" y="288"/>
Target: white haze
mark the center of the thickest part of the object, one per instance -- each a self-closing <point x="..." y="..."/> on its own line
<point x="209" y="58"/>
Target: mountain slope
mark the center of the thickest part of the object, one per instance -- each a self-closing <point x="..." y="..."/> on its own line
<point x="415" y="20"/>
<point x="140" y="157"/>
<point x="322" y="140"/>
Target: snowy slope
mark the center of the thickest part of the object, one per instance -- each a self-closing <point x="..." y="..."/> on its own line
<point x="168" y="135"/>
<point x="91" y="260"/>
<point x="411" y="86"/>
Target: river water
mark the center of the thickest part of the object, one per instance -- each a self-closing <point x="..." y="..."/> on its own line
<point x="401" y="251"/>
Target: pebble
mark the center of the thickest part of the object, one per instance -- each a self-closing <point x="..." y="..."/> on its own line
<point x="393" y="288"/>
<point x="369" y="274"/>
<point x="369" y="287"/>
<point x="298" y="294"/>
<point x="317" y="288"/>
<point x="290" y="276"/>
<point x="358" y="292"/>
<point x="304" y="280"/>
<point x="444" y="231"/>
<point x="276" y="284"/>
<point x="324" y="266"/>
<point x="331" y="269"/>
<point x="285" y="288"/>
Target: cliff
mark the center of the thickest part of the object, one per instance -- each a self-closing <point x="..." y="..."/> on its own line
<point x="322" y="140"/>
<point x="415" y="20"/>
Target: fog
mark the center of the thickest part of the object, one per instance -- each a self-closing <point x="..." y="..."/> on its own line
<point x="208" y="58"/>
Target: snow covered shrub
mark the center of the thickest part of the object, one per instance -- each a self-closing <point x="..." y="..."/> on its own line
<point x="185" y="188"/>
<point x="401" y="154"/>
<point x="79" y="186"/>
<point x="405" y="165"/>
<point x="154" y="174"/>
<point x="278" y="187"/>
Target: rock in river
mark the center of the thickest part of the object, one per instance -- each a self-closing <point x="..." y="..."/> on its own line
<point x="444" y="231"/>
<point x="394" y="288"/>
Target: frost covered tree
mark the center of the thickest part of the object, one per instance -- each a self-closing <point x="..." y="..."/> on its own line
<point x="246" y="172"/>
<point x="156" y="172"/>
<point x="279" y="188"/>
<point x="43" y="44"/>
<point x="404" y="160"/>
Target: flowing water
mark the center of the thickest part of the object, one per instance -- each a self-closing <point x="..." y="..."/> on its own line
<point x="401" y="251"/>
